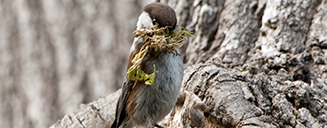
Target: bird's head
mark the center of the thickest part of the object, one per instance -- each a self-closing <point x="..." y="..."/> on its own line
<point x="157" y="13"/>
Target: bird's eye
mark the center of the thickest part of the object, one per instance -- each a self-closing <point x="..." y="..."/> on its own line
<point x="154" y="21"/>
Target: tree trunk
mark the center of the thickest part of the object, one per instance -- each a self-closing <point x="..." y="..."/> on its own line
<point x="250" y="64"/>
<point x="57" y="54"/>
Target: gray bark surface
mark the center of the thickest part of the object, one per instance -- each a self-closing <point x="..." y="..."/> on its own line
<point x="251" y="63"/>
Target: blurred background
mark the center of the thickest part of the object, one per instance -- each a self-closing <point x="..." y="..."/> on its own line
<point x="57" y="54"/>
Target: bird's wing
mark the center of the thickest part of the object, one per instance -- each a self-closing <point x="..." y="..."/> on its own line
<point x="128" y="85"/>
<point x="121" y="105"/>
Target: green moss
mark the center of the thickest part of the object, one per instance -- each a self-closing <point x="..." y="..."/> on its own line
<point x="156" y="38"/>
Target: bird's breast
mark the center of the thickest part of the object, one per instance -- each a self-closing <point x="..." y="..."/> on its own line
<point x="158" y="99"/>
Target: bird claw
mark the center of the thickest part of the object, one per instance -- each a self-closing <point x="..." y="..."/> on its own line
<point x="158" y="126"/>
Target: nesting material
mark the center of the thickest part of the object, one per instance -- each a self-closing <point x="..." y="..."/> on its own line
<point x="156" y="40"/>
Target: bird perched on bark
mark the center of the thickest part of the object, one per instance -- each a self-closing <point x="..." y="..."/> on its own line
<point x="141" y="104"/>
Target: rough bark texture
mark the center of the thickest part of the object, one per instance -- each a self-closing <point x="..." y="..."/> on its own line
<point x="251" y="63"/>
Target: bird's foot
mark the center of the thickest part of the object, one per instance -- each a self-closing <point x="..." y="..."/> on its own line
<point x="158" y="126"/>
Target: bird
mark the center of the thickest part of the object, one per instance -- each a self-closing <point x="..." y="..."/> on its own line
<point x="141" y="105"/>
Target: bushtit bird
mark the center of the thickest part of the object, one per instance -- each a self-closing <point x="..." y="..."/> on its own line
<point x="144" y="105"/>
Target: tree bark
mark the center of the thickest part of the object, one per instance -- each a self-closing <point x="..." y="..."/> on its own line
<point x="57" y="54"/>
<point x="251" y="63"/>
